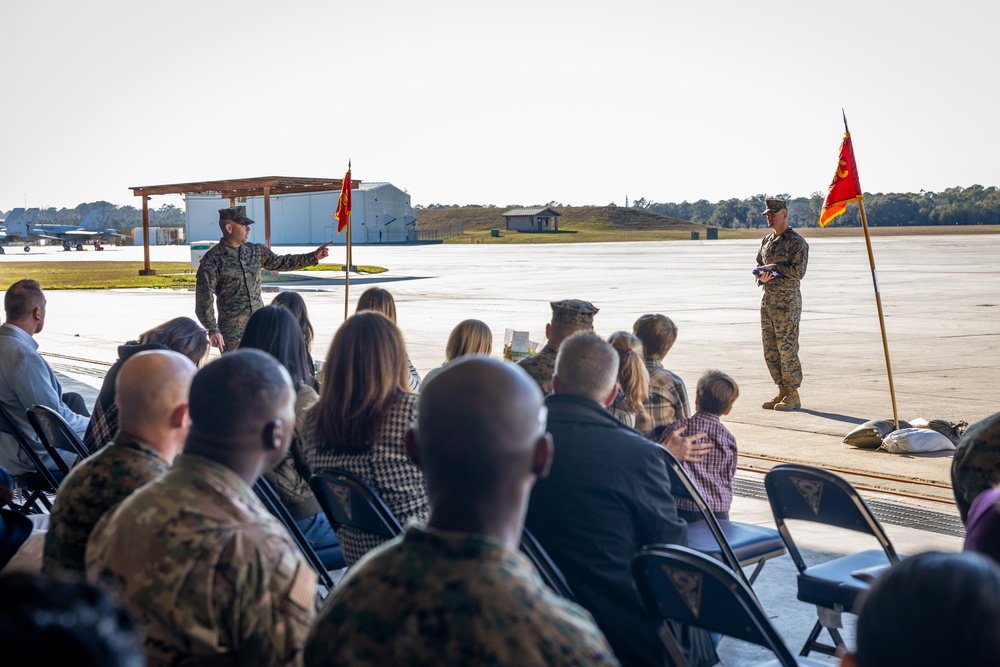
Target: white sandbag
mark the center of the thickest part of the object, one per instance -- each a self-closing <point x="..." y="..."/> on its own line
<point x="916" y="441"/>
<point x="870" y="434"/>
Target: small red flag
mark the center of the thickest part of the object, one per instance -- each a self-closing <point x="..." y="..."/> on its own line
<point x="846" y="185"/>
<point x="343" y="214"/>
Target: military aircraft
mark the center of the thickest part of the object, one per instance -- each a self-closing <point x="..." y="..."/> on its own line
<point x="21" y="227"/>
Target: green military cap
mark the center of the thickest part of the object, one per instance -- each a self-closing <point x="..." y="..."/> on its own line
<point x="775" y="205"/>
<point x="237" y="214"/>
<point x="574" y="311"/>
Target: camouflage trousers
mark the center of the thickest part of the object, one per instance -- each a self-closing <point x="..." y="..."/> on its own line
<point x="232" y="329"/>
<point x="779" y="328"/>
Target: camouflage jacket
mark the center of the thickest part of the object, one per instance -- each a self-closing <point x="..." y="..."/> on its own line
<point x="232" y="275"/>
<point x="91" y="488"/>
<point x="976" y="466"/>
<point x="212" y="577"/>
<point x="789" y="252"/>
<point x="541" y="366"/>
<point x="443" y="598"/>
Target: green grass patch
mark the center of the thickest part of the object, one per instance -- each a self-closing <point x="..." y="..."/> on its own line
<point x="125" y="275"/>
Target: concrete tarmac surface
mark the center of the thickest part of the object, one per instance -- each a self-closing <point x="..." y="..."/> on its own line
<point x="940" y="296"/>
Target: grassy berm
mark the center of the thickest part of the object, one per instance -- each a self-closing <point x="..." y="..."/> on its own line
<point x="582" y="224"/>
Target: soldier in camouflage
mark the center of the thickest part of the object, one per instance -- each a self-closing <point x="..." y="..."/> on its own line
<point x="458" y="591"/>
<point x="568" y="317"/>
<point x="976" y="466"/>
<point x="212" y="577"/>
<point x="152" y="390"/>
<point x="781" y="264"/>
<point x="230" y="271"/>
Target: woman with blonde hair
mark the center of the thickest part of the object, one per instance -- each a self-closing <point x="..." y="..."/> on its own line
<point x="468" y="337"/>
<point x="181" y="334"/>
<point x="633" y="378"/>
<point x="364" y="411"/>
<point x="380" y="301"/>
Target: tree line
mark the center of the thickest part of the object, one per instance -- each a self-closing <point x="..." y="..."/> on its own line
<point x="111" y="216"/>
<point x="974" y="205"/>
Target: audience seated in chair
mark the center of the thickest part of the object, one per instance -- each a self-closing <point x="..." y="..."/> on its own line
<point x="457" y="590"/>
<point x="211" y="575"/>
<point x="667" y="399"/>
<point x="181" y="334"/>
<point x="364" y="410"/>
<point x="152" y="395"/>
<point x="976" y="465"/>
<point x="27" y="380"/>
<point x="982" y="527"/>
<point x="606" y="497"/>
<point x="633" y="378"/>
<point x="931" y="609"/>
<point x="378" y="300"/>
<point x="468" y="337"/>
<point x="569" y="316"/>
<point x="64" y="620"/>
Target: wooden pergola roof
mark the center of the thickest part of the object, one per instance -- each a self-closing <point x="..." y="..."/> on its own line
<point x="261" y="186"/>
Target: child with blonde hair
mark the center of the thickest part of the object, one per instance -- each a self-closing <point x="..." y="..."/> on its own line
<point x="633" y="378"/>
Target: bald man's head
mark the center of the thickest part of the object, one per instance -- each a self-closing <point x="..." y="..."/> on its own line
<point x="478" y="429"/>
<point x="152" y="396"/>
<point x="586" y="366"/>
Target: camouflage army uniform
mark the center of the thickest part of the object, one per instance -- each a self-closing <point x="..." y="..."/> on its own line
<point x="541" y="366"/>
<point x="446" y="598"/>
<point x="781" y="305"/>
<point x="667" y="400"/>
<point x="91" y="488"/>
<point x="212" y="577"/>
<point x="976" y="466"/>
<point x="233" y="276"/>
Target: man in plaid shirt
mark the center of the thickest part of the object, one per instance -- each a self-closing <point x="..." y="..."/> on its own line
<point x="713" y="474"/>
<point x="667" y="398"/>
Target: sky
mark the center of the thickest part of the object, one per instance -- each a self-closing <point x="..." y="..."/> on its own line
<point x="519" y="102"/>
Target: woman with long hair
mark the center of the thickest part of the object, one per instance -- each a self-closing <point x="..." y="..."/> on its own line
<point x="274" y="330"/>
<point x="364" y="411"/>
<point x="380" y="301"/>
<point x="633" y="378"/>
<point x="296" y="305"/>
<point x="468" y="337"/>
<point x="181" y="334"/>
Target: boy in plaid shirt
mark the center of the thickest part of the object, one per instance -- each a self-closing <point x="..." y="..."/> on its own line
<point x="713" y="474"/>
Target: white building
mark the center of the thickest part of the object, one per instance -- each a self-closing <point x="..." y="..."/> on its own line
<point x="380" y="213"/>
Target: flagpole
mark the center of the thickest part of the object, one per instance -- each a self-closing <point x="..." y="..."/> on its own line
<point x="878" y="305"/>
<point x="347" y="268"/>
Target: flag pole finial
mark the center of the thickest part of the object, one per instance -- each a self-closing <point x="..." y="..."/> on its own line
<point x="844" y="113"/>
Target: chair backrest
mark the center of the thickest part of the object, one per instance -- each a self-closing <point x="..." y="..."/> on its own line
<point x="683" y="585"/>
<point x="547" y="569"/>
<point x="348" y="501"/>
<point x="272" y="501"/>
<point x="8" y="425"/>
<point x="682" y="486"/>
<point x="46" y="426"/>
<point x="51" y="426"/>
<point x="807" y="493"/>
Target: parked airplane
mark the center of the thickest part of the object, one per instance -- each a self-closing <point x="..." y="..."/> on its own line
<point x="21" y="227"/>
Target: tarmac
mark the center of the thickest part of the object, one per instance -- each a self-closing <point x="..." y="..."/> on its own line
<point x="939" y="295"/>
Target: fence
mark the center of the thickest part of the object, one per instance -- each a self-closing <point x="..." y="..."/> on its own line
<point x="441" y="234"/>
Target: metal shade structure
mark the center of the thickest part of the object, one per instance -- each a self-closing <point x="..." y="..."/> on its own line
<point x="261" y="186"/>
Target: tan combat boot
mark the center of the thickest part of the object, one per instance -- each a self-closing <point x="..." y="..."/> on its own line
<point x="789" y="402"/>
<point x="769" y="405"/>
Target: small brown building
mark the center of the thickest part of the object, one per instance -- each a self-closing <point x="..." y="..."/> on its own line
<point x="532" y="220"/>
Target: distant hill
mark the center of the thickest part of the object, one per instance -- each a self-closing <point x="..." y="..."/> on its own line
<point x="591" y="218"/>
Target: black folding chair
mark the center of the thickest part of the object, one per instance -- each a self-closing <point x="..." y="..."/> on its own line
<point x="272" y="501"/>
<point x="547" y="569"/>
<point x="683" y="585"/>
<point x="32" y="487"/>
<point x="736" y="544"/>
<point x="348" y="501"/>
<point x="806" y="493"/>
<point x="56" y="434"/>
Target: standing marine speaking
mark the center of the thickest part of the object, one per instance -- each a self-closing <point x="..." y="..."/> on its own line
<point x="230" y="271"/>
<point x="781" y="264"/>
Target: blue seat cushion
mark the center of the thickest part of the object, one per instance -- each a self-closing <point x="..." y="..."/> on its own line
<point x="749" y="542"/>
<point x="839" y="581"/>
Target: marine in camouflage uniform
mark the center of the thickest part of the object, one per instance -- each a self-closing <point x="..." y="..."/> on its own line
<point x="976" y="466"/>
<point x="212" y="577"/>
<point x="781" y="303"/>
<point x="568" y="317"/>
<point x="232" y="275"/>
<point x="91" y="488"/>
<point x="434" y="597"/>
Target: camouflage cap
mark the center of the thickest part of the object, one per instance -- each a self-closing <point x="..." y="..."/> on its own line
<point x="775" y="205"/>
<point x="237" y="214"/>
<point x="574" y="311"/>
